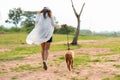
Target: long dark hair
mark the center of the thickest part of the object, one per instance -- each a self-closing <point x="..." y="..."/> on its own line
<point x="46" y="11"/>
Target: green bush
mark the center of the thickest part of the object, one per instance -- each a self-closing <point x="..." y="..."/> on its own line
<point x="3" y="29"/>
<point x="27" y="29"/>
<point x="68" y="29"/>
<point x="14" y="29"/>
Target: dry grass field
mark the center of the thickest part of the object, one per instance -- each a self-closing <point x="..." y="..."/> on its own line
<point x="96" y="58"/>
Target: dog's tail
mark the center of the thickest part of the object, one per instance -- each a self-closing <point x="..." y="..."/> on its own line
<point x="69" y="48"/>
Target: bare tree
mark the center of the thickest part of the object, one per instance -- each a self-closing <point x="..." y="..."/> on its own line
<point x="75" y="39"/>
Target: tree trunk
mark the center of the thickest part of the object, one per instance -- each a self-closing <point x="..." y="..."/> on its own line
<point x="75" y="39"/>
<point x="74" y="42"/>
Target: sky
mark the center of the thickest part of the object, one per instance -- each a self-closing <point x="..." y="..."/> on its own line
<point x="97" y="15"/>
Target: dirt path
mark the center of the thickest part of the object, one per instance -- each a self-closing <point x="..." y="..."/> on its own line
<point x="59" y="71"/>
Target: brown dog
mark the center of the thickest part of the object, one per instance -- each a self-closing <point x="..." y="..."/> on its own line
<point x="69" y="56"/>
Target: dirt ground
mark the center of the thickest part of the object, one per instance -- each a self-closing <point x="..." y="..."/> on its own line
<point x="92" y="71"/>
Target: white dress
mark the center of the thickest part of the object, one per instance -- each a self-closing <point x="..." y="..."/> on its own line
<point x="42" y="31"/>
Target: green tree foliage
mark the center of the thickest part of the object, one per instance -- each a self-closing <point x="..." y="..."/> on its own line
<point x="29" y="19"/>
<point x="14" y="16"/>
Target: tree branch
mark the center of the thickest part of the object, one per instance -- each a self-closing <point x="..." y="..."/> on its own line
<point x="81" y="9"/>
<point x="74" y="8"/>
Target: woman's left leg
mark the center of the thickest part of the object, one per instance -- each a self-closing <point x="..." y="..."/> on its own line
<point x="45" y="54"/>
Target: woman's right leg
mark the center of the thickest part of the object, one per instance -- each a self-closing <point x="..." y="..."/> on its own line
<point x="45" y="48"/>
<point x="43" y="51"/>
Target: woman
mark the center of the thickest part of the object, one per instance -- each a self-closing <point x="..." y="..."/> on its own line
<point x="43" y="31"/>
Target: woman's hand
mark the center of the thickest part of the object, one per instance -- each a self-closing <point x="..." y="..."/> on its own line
<point x="38" y="12"/>
<point x="64" y="25"/>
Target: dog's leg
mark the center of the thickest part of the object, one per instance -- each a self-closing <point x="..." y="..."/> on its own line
<point x="67" y="62"/>
<point x="72" y="63"/>
<point x="69" y="65"/>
